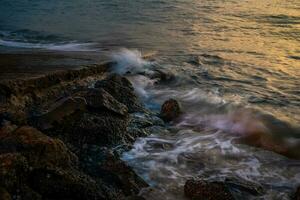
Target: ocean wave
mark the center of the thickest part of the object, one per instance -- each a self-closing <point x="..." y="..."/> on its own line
<point x="67" y="46"/>
<point x="28" y="39"/>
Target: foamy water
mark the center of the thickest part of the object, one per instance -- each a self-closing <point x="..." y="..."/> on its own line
<point x="203" y="142"/>
<point x="71" y="46"/>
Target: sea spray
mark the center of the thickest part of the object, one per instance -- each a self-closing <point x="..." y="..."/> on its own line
<point x="132" y="63"/>
<point x="128" y="61"/>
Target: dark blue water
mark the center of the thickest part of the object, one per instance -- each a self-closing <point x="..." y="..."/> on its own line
<point x="225" y="55"/>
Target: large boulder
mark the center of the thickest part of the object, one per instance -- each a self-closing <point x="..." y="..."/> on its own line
<point x="142" y="124"/>
<point x="170" y="110"/>
<point x="104" y="163"/>
<point x="123" y="175"/>
<point x="104" y="128"/>
<point x="39" y="167"/>
<point x="13" y="170"/>
<point x="60" y="184"/>
<point x="121" y="89"/>
<point x="98" y="100"/>
<point x="200" y="190"/>
<point x="39" y="149"/>
<point x="6" y="128"/>
<point x="104" y="122"/>
<point x="163" y="76"/>
<point x="58" y="112"/>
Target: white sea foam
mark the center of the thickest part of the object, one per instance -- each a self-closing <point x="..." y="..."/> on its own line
<point x="69" y="46"/>
<point x="129" y="61"/>
<point x="202" y="143"/>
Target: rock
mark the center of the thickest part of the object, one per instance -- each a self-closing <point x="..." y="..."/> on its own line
<point x="122" y="90"/>
<point x="4" y="195"/>
<point x="170" y="110"/>
<point x="93" y="128"/>
<point x="195" y="60"/>
<point x="6" y="128"/>
<point x="42" y="167"/>
<point x="297" y="194"/>
<point x="103" y="123"/>
<point x="13" y="170"/>
<point x="243" y="185"/>
<point x="122" y="174"/>
<point x="140" y="124"/>
<point x="99" y="99"/>
<point x="39" y="149"/>
<point x="163" y="76"/>
<point x="4" y="93"/>
<point x="58" y="112"/>
<point x="135" y="198"/>
<point x="107" y="165"/>
<point x="26" y="193"/>
<point x="60" y="184"/>
<point x="200" y="190"/>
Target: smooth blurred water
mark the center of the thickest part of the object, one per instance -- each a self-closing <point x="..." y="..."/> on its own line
<point x="205" y="140"/>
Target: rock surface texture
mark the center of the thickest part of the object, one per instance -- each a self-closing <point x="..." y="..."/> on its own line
<point x="62" y="144"/>
<point x="170" y="110"/>
<point x="200" y="190"/>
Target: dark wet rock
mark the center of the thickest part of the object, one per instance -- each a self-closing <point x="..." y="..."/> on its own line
<point x="195" y="60"/>
<point x="163" y="76"/>
<point x="115" y="173"/>
<point x="297" y="194"/>
<point x="6" y="128"/>
<point x="100" y="100"/>
<point x="26" y="193"/>
<point x="13" y="170"/>
<point x="61" y="163"/>
<point x="58" y="112"/>
<point x="122" y="90"/>
<point x="39" y="149"/>
<point x="170" y="110"/>
<point x="141" y="124"/>
<point x="60" y="184"/>
<point x="42" y="167"/>
<point x="103" y="128"/>
<point x="265" y="131"/>
<point x="244" y="186"/>
<point x="2" y="119"/>
<point x="5" y="93"/>
<point x="200" y="190"/>
<point x="4" y="195"/>
<point x="135" y="198"/>
<point x="122" y="174"/>
<point x="20" y="98"/>
<point x="24" y="86"/>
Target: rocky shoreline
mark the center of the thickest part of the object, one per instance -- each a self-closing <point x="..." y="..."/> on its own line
<point x="60" y="137"/>
<point x="62" y="134"/>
